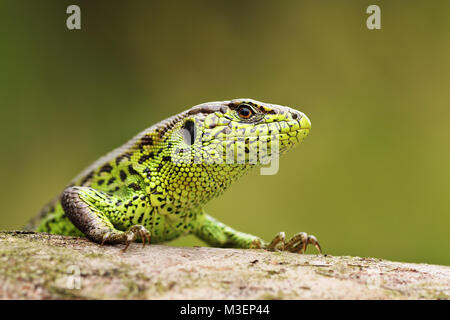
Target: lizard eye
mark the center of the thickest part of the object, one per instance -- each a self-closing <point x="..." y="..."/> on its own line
<point x="245" y="111"/>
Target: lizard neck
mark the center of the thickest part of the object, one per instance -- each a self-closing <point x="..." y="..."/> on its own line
<point x="188" y="186"/>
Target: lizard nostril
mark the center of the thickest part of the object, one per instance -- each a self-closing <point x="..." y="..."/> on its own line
<point x="296" y="115"/>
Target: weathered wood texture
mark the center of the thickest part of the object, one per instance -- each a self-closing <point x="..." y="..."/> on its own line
<point x="42" y="266"/>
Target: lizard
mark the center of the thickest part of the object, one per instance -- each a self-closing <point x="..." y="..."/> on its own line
<point x="155" y="186"/>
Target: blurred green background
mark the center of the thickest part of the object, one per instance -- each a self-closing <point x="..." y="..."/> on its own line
<point x="373" y="177"/>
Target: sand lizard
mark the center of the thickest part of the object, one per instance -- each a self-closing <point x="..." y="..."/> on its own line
<point x="155" y="186"/>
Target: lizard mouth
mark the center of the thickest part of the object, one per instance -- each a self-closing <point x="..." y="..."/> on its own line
<point x="299" y="133"/>
<point x="268" y="145"/>
<point x="283" y="130"/>
<point x="261" y="140"/>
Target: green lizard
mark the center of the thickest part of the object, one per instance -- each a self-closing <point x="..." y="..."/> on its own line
<point x="157" y="184"/>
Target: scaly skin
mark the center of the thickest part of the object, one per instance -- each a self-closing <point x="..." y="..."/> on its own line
<point x="157" y="184"/>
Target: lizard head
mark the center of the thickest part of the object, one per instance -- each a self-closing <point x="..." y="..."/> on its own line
<point x="240" y="131"/>
<point x="203" y="150"/>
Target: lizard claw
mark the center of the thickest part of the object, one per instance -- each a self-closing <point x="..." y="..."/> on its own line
<point x="278" y="243"/>
<point x="133" y="233"/>
<point x="313" y="240"/>
<point x="297" y="244"/>
<point x="105" y="238"/>
<point x="256" y="244"/>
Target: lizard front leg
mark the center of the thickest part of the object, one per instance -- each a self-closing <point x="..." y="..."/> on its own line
<point x="217" y="234"/>
<point x="90" y="211"/>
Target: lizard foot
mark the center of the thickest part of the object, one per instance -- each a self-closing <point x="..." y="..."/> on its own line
<point x="297" y="244"/>
<point x="129" y="236"/>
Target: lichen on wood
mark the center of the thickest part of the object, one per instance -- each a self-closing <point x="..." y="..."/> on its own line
<point x="43" y="266"/>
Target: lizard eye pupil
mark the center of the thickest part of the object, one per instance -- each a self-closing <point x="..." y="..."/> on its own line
<point x="244" y="111"/>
